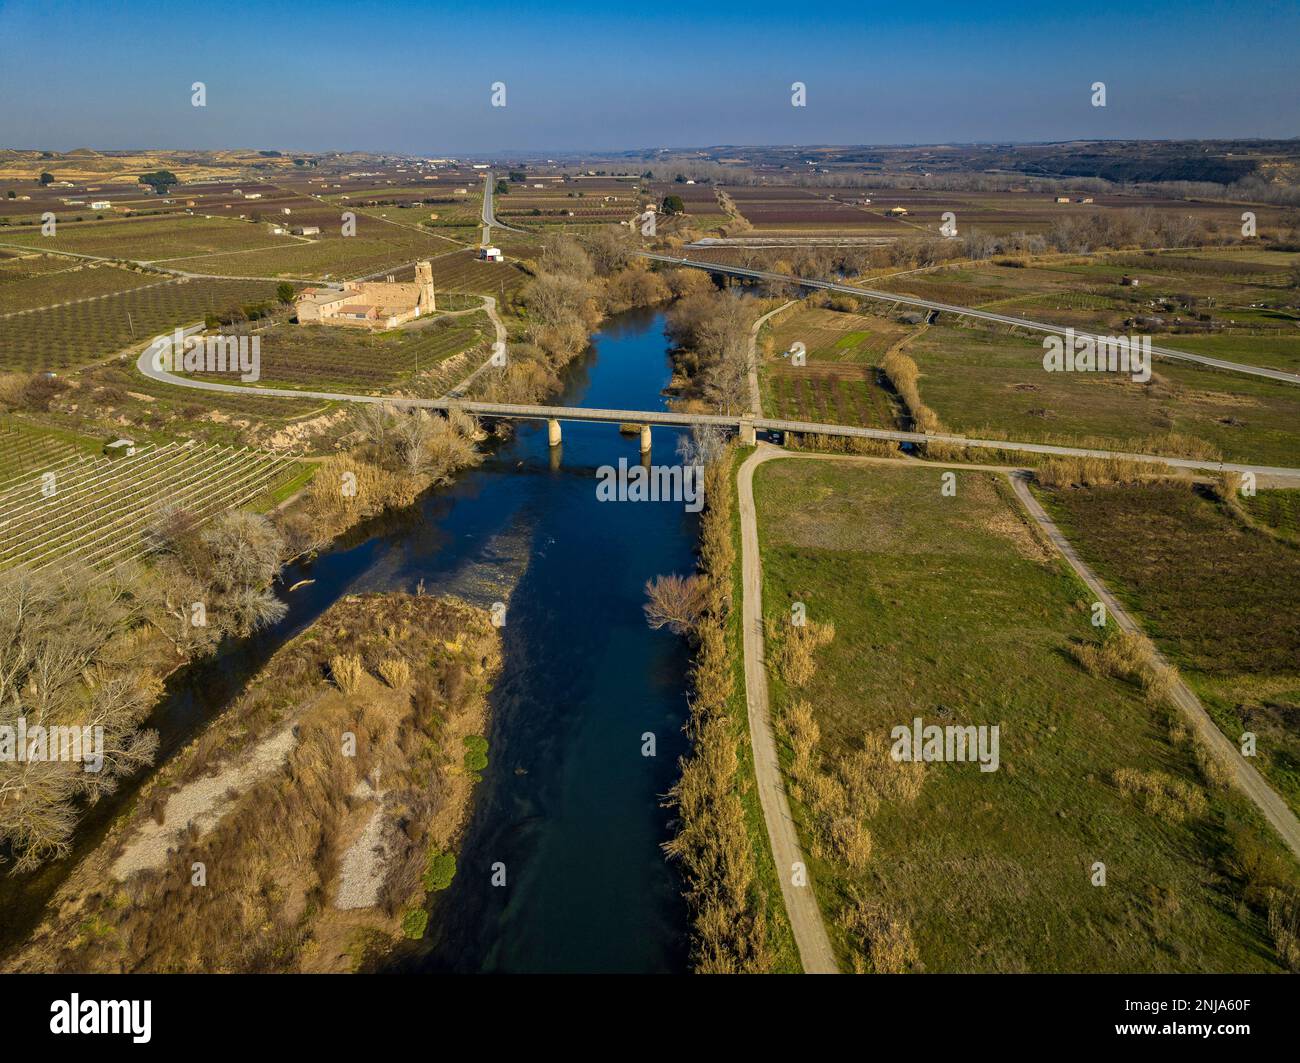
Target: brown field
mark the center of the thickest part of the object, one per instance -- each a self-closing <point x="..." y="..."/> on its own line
<point x="791" y="209"/>
<point x="68" y="336"/>
<point x="77" y="281"/>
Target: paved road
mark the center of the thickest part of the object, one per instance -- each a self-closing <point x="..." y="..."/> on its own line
<point x="1247" y="778"/>
<point x="489" y="215"/>
<point x="810" y="936"/>
<point x="964" y="311"/>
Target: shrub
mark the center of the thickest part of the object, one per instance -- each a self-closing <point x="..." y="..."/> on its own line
<point x="903" y="376"/>
<point x="414" y="923"/>
<point x="793" y="656"/>
<point x="1284" y="926"/>
<point x="803" y="733"/>
<point x="1160" y="795"/>
<point x="1130" y="658"/>
<point x="347" y="670"/>
<point x="851" y="842"/>
<point x="675" y="602"/>
<point x="1216" y="773"/>
<point x="1091" y="472"/>
<point x="439" y="871"/>
<point x="476" y="747"/>
<point x="882" y="942"/>
<point x="396" y="671"/>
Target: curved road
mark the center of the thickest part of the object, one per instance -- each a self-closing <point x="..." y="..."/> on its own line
<point x="751" y="369"/>
<point x="489" y="305"/>
<point x="963" y="311"/>
<point x="488" y="215"/>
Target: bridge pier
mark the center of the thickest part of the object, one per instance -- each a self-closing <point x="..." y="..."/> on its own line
<point x="645" y="439"/>
<point x="553" y="432"/>
<point x="747" y="436"/>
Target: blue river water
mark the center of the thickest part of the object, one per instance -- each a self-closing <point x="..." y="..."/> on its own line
<point x="568" y="803"/>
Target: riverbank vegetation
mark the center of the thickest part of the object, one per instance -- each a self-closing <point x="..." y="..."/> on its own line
<point x="83" y="649"/>
<point x="73" y="654"/>
<point x="397" y="456"/>
<point x="950" y="868"/>
<point x="737" y="915"/>
<point x="712" y="359"/>
<point x="301" y="830"/>
<point x="575" y="283"/>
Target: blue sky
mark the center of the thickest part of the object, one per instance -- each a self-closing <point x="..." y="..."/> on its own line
<point x="416" y="77"/>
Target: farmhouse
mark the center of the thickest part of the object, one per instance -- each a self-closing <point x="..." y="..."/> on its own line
<point x="1063" y="199"/>
<point x="898" y="212"/>
<point x="490" y="254"/>
<point x="369" y="304"/>
<point x="306" y="230"/>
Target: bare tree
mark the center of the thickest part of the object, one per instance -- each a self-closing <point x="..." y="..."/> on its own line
<point x="564" y="256"/>
<point x="59" y="669"/>
<point x="675" y="602"/>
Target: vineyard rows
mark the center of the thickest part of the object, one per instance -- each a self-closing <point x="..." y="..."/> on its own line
<point x="69" y="336"/>
<point x="98" y="512"/>
<point x="51" y="291"/>
<point x="22" y="452"/>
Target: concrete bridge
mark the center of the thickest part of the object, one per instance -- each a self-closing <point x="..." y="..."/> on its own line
<point x="744" y="424"/>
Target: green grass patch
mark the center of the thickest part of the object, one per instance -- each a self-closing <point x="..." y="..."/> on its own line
<point x="948" y="608"/>
<point x="1222" y="599"/>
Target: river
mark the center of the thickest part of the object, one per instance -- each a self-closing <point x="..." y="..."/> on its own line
<point x="568" y="805"/>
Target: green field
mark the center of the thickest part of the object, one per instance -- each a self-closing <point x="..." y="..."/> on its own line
<point x="1222" y="599"/>
<point x="977" y="379"/>
<point x="1228" y="303"/>
<point x="948" y="609"/>
<point x="1279" y="509"/>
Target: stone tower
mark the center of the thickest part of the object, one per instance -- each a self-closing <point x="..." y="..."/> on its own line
<point x="424" y="278"/>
